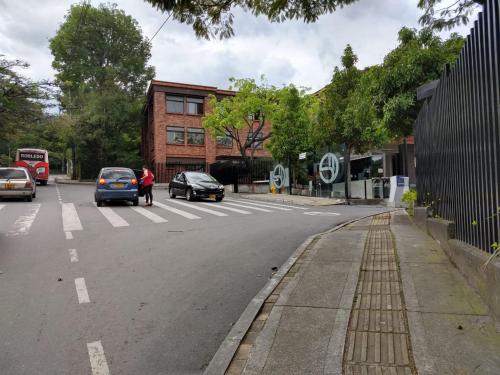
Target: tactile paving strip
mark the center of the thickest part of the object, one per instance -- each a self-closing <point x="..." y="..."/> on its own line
<point x="378" y="340"/>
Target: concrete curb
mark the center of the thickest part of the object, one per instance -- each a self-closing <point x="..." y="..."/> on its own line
<point x="224" y="355"/>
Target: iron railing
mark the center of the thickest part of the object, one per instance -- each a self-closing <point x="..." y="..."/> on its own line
<point x="458" y="137"/>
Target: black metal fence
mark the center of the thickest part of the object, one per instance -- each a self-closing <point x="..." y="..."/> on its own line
<point x="458" y="137"/>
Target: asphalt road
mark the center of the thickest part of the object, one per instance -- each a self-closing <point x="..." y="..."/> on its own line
<point x="80" y="294"/>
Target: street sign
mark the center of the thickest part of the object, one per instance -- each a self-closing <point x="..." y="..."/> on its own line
<point x="329" y="168"/>
<point x="302" y="155"/>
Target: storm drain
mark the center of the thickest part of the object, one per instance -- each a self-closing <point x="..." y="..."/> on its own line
<point x="378" y="340"/>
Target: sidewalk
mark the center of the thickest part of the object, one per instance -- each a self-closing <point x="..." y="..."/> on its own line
<point x="375" y="297"/>
<point x="293" y="199"/>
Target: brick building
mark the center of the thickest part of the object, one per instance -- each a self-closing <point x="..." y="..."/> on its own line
<point x="173" y="137"/>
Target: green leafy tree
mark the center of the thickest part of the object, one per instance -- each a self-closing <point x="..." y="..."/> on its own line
<point x="439" y="17"/>
<point x="215" y="17"/>
<point x="419" y="58"/>
<point x="243" y="116"/>
<point x="347" y="115"/>
<point x="292" y="120"/>
<point x="101" y="60"/>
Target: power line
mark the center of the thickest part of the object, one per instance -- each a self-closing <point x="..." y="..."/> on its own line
<point x="163" y="24"/>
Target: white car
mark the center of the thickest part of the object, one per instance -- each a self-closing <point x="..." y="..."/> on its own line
<point x="17" y="182"/>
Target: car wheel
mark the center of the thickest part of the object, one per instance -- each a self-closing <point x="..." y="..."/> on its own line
<point x="135" y="202"/>
<point x="43" y="182"/>
<point x="171" y="194"/>
<point x="189" y="194"/>
<point x="99" y="203"/>
<point x="218" y="199"/>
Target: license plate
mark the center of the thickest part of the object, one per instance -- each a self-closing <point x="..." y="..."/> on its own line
<point x="119" y="185"/>
<point x="9" y="186"/>
<point x="211" y="196"/>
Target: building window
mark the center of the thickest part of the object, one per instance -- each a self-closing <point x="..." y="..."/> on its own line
<point x="257" y="143"/>
<point x="195" y="136"/>
<point x="195" y="106"/>
<point x="175" y="104"/>
<point x="224" y="141"/>
<point x="175" y="135"/>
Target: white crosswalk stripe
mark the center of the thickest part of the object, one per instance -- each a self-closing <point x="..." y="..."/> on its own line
<point x="275" y="204"/>
<point x="249" y="207"/>
<point x="150" y="215"/>
<point x="222" y="207"/>
<point x="71" y="221"/>
<point x="185" y="214"/>
<point x="196" y="207"/>
<point x="113" y="218"/>
<point x="2" y="206"/>
<point x="23" y="223"/>
<point x="259" y="205"/>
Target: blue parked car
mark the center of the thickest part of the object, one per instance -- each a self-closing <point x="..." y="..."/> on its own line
<point x="116" y="184"/>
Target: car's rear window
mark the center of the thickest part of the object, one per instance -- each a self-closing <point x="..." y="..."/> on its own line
<point x="115" y="174"/>
<point x="6" y="174"/>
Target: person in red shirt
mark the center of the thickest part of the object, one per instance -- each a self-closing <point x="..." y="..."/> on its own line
<point x="147" y="181"/>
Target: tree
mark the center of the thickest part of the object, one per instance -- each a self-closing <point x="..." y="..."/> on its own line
<point x="243" y="116"/>
<point x="101" y="60"/>
<point x="347" y="115"/>
<point x="292" y="121"/>
<point x="449" y="16"/>
<point x="215" y="17"/>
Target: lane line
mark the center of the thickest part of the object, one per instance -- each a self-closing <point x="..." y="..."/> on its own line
<point x="69" y="235"/>
<point x="249" y="207"/>
<point x="23" y="224"/>
<point x="97" y="358"/>
<point x="218" y="205"/>
<point x="71" y="221"/>
<point x="73" y="255"/>
<point x="81" y="290"/>
<point x="186" y="214"/>
<point x="113" y="218"/>
<point x="274" y="204"/>
<point x="150" y="215"/>
<point x="195" y="207"/>
<point x="259" y="205"/>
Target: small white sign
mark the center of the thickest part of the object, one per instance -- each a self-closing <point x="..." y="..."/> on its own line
<point x="302" y="155"/>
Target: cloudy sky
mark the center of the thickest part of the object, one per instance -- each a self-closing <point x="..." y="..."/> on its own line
<point x="291" y="52"/>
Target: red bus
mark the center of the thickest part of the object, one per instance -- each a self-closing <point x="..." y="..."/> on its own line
<point x="36" y="161"/>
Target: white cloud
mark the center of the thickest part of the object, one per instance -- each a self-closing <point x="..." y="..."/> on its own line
<point x="290" y="52"/>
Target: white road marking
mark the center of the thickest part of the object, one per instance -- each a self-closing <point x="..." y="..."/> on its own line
<point x="73" y="255"/>
<point x="187" y="215"/>
<point x="259" y="205"/>
<point x="249" y="207"/>
<point x="81" y="290"/>
<point x="71" y="221"/>
<point x="69" y="235"/>
<point x="274" y="204"/>
<point x="2" y="206"/>
<point x="318" y="213"/>
<point x="219" y="206"/>
<point x="113" y="218"/>
<point x="150" y="215"/>
<point x="24" y="222"/>
<point x="195" y="207"/>
<point x="97" y="359"/>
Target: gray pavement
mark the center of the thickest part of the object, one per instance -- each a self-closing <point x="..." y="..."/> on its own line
<point x="162" y="294"/>
<point x="371" y="298"/>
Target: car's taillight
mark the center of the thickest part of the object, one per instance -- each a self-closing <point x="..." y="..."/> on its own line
<point x="102" y="181"/>
<point x="28" y="184"/>
<point x="134" y="181"/>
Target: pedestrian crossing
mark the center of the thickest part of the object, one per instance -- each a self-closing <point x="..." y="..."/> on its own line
<point x="76" y="217"/>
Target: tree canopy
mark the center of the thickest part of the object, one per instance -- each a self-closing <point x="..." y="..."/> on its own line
<point x="101" y="60"/>
<point x="215" y="17"/>
<point x="439" y="17"/>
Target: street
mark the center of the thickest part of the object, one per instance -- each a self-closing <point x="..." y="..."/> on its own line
<point x="135" y="290"/>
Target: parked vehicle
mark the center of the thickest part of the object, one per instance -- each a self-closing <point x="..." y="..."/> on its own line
<point x="194" y="185"/>
<point x="36" y="161"/>
<point x="17" y="182"/>
<point x="116" y="184"/>
<point x="138" y="175"/>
